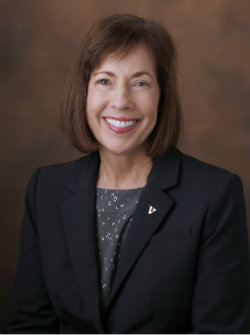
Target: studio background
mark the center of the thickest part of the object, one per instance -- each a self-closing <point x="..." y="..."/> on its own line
<point x="39" y="41"/>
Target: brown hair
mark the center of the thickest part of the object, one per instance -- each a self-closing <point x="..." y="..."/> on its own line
<point x="120" y="33"/>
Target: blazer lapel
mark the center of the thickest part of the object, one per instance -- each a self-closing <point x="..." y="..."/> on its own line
<point x="79" y="218"/>
<point x="154" y="205"/>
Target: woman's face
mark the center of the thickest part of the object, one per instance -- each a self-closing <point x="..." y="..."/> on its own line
<point x="122" y="101"/>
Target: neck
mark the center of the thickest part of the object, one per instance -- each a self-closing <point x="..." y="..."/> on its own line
<point x="123" y="171"/>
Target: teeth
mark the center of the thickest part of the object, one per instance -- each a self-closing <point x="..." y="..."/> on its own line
<point x="120" y="124"/>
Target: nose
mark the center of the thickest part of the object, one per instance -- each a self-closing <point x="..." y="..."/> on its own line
<point x="121" y="98"/>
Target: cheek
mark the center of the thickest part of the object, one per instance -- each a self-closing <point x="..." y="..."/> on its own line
<point x="91" y="103"/>
<point x="95" y="101"/>
<point x="150" y="107"/>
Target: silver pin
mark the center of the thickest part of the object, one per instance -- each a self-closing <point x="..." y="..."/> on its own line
<point x="151" y="209"/>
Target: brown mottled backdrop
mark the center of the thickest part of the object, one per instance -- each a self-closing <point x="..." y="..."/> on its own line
<point x="39" y="40"/>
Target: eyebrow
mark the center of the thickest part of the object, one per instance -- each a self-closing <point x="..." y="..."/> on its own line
<point x="134" y="75"/>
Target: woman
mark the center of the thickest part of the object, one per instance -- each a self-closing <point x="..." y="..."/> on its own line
<point x="135" y="237"/>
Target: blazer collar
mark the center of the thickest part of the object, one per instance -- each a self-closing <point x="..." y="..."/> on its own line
<point x="84" y="173"/>
<point x="164" y="173"/>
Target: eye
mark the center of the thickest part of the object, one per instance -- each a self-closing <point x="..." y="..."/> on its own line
<point x="141" y="83"/>
<point x="103" y="82"/>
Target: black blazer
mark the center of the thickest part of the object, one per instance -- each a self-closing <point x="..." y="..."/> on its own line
<point x="184" y="268"/>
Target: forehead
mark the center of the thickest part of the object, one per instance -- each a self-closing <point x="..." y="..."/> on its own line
<point x="139" y="57"/>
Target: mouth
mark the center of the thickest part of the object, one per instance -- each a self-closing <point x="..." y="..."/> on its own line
<point x="120" y="125"/>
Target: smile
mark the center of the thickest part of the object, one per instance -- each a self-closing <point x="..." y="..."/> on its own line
<point x="120" y="126"/>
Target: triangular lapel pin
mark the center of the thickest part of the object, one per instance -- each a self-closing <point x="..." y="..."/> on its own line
<point x="151" y="209"/>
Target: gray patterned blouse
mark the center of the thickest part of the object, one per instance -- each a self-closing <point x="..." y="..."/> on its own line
<point x="115" y="209"/>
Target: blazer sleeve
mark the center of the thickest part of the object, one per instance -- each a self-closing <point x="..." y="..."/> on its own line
<point x="221" y="292"/>
<point x="32" y="310"/>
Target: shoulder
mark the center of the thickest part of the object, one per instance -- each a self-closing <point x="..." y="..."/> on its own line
<point x="192" y="175"/>
<point x="63" y="172"/>
<point x="51" y="185"/>
<point x="195" y="167"/>
<point x="206" y="178"/>
<point x="177" y="162"/>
